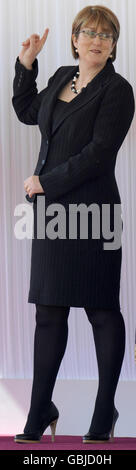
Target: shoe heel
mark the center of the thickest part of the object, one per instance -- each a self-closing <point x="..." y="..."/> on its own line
<point x="112" y="432"/>
<point x="116" y="415"/>
<point x="53" y="429"/>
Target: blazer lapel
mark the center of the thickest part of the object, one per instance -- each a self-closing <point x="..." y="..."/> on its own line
<point x="93" y="88"/>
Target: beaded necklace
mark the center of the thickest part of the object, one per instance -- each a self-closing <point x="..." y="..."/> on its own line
<point x="73" y="88"/>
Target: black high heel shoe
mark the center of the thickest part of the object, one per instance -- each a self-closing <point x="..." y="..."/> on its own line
<point x="34" y="437"/>
<point x="101" y="438"/>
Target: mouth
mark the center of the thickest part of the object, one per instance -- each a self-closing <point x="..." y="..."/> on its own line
<point x="95" y="51"/>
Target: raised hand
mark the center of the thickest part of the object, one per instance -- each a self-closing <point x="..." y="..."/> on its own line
<point x="31" y="48"/>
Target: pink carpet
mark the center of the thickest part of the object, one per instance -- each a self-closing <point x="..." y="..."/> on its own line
<point x="67" y="443"/>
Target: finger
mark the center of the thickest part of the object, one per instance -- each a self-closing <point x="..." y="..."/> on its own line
<point x="27" y="41"/>
<point x="25" y="44"/>
<point x="33" y="36"/>
<point x="26" y="187"/>
<point x="44" y="37"/>
<point x="33" y="40"/>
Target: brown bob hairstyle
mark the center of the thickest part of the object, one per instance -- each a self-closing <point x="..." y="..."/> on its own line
<point x="101" y="16"/>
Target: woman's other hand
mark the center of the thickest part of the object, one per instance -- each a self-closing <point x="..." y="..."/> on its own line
<point x="32" y="185"/>
<point x="31" y="48"/>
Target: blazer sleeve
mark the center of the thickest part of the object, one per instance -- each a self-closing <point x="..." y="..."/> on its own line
<point x="26" y="100"/>
<point x="110" y="128"/>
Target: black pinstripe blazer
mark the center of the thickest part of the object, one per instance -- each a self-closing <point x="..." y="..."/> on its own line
<point x="101" y="116"/>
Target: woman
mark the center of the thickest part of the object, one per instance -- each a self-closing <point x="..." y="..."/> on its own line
<point x="84" y="115"/>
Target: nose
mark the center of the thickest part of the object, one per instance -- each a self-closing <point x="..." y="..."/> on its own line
<point x="97" y="40"/>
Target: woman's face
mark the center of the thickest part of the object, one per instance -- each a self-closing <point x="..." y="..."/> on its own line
<point x="95" y="51"/>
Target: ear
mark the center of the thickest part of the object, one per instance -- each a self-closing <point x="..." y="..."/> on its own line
<point x="74" y="39"/>
<point x="114" y="44"/>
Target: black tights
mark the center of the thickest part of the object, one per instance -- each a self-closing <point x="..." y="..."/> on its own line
<point x="51" y="334"/>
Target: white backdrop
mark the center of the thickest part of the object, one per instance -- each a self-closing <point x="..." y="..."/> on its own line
<point x="19" y="147"/>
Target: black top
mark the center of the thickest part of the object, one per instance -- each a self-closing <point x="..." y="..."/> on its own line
<point x="58" y="109"/>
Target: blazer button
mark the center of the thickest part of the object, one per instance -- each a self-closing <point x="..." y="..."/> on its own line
<point x="47" y="141"/>
<point x="43" y="161"/>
